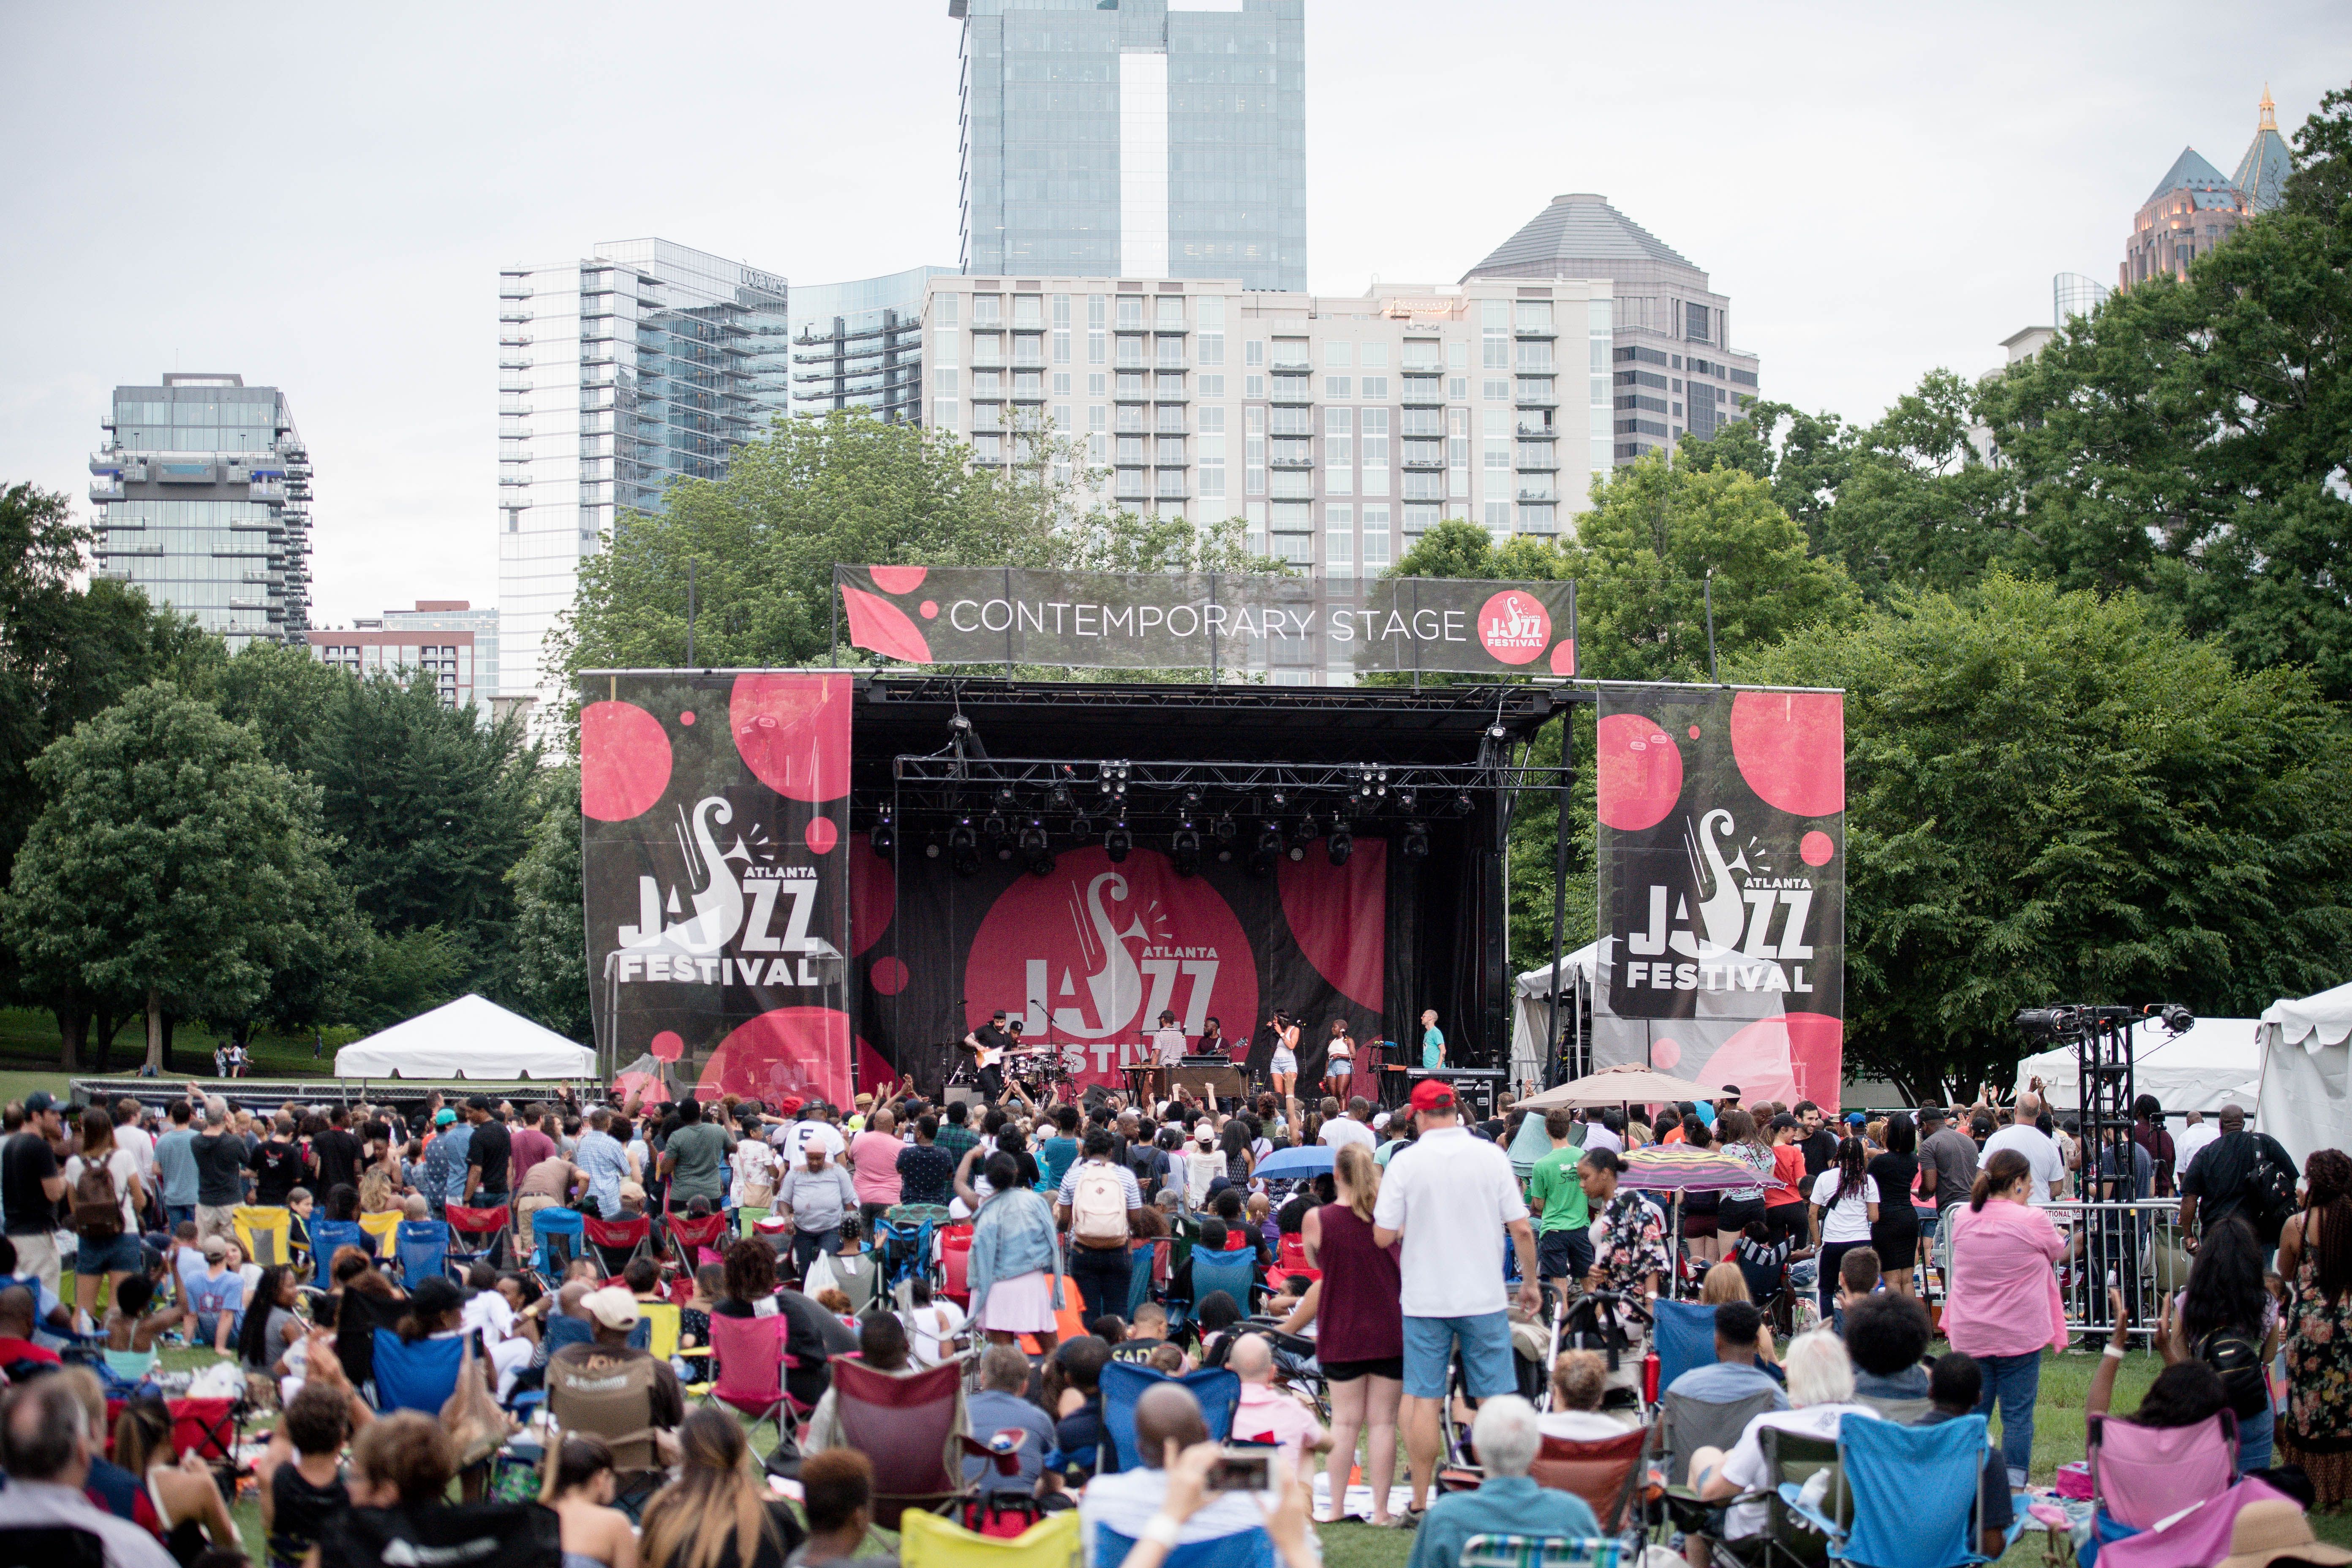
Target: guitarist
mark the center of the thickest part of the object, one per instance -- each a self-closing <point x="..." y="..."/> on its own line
<point x="988" y="1044"/>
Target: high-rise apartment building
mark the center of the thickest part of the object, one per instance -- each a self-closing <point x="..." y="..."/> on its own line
<point x="860" y="345"/>
<point x="1340" y="428"/>
<point x="448" y="639"/>
<point x="640" y="364"/>
<point x="203" y="491"/>
<point x="2194" y="208"/>
<point x="1138" y="139"/>
<point x="1672" y="365"/>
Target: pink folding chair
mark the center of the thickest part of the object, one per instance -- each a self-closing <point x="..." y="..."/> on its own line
<point x="911" y="1427"/>
<point x="2141" y="1475"/>
<point x="751" y="1366"/>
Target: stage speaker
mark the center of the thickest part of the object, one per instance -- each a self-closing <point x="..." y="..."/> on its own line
<point x="1096" y="1097"/>
<point x="961" y="1094"/>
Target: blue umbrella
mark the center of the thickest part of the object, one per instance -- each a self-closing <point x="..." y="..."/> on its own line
<point x="1314" y="1160"/>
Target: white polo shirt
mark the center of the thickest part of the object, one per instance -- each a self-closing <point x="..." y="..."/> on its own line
<point x="1343" y="1130"/>
<point x="2040" y="1153"/>
<point x="1450" y="1195"/>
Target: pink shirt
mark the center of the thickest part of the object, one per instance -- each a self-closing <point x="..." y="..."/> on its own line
<point x="873" y="1166"/>
<point x="2004" y="1295"/>
<point x="1266" y="1412"/>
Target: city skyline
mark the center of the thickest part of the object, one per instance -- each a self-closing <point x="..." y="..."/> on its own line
<point x="1810" y="170"/>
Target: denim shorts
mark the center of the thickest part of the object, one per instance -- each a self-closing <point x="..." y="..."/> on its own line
<point x="126" y="1254"/>
<point x="1486" y="1340"/>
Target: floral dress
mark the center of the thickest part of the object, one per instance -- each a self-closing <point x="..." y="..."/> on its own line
<point x="2316" y="1430"/>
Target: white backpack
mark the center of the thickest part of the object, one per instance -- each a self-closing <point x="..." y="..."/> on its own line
<point x="1098" y="1206"/>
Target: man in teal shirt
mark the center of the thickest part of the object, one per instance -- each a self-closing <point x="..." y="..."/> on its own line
<point x="1563" y="1238"/>
<point x="1059" y="1153"/>
<point x="1433" y="1040"/>
<point x="1508" y="1502"/>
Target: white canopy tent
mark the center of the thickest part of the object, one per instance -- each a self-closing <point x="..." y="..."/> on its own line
<point x="2306" y="1071"/>
<point x="470" y="1038"/>
<point x="1531" y="1010"/>
<point x="2203" y="1067"/>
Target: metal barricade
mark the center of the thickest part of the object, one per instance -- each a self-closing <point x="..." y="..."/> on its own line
<point x="2097" y="1249"/>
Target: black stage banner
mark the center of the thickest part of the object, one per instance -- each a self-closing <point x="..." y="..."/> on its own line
<point x="714" y="865"/>
<point x="1722" y="887"/>
<point x="1087" y="956"/>
<point x="1099" y="620"/>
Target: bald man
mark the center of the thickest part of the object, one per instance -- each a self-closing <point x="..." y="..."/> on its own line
<point x="1167" y="1422"/>
<point x="2040" y="1151"/>
<point x="1271" y="1414"/>
<point x="2227" y="1179"/>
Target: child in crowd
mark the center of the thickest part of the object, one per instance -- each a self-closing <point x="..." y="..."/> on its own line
<point x="1955" y="1384"/>
<point x="133" y="1330"/>
<point x="301" y="1473"/>
<point x="1149" y="1333"/>
<point x="1858" y="1276"/>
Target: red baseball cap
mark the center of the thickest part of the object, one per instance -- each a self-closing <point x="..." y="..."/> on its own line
<point x="1433" y="1094"/>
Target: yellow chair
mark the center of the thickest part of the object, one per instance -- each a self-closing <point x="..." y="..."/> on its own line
<point x="384" y="1228"/>
<point x="666" y="1325"/>
<point x="927" y="1540"/>
<point x="265" y="1232"/>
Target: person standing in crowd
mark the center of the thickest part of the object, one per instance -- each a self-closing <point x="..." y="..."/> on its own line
<point x="604" y="1160"/>
<point x="1947" y="1160"/>
<point x="815" y="1196"/>
<point x="2240" y="1174"/>
<point x="1629" y="1238"/>
<point x="1746" y="1142"/>
<point x="2002" y="1305"/>
<point x="1451" y="1199"/>
<point x="1845" y="1207"/>
<point x="1355" y="1308"/>
<point x="695" y="1160"/>
<point x="336" y="1152"/>
<point x="874" y="1165"/>
<point x="2040" y="1150"/>
<point x="1340" y="1059"/>
<point x="175" y="1166"/>
<point x="2195" y="1133"/>
<point x="2228" y="1318"/>
<point x="1061" y="1150"/>
<point x="1563" y="1235"/>
<point x="1015" y="1267"/>
<point x="926" y="1169"/>
<point x="1099" y="1201"/>
<point x="1338" y="1130"/>
<point x="1784" y="1203"/>
<point x="1894" y="1232"/>
<point x="1433" y="1040"/>
<point x="1815" y="1141"/>
<point x="489" y="1155"/>
<point x="2148" y="1132"/>
<point x="221" y="1158"/>
<point x="106" y="1194"/>
<point x="2315" y="1253"/>
<point x="532" y="1139"/>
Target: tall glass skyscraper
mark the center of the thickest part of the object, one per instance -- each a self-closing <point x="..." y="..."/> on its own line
<point x="860" y="345"/>
<point x="203" y="491"/>
<point x="641" y="363"/>
<point x="1136" y="139"/>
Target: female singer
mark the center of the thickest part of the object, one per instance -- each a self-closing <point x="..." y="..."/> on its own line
<point x="1283" y="1070"/>
<point x="1340" y="1062"/>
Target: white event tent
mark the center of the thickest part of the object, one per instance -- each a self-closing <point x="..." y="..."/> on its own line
<point x="470" y="1038"/>
<point x="1531" y="1009"/>
<point x="2307" y="1063"/>
<point x="2203" y="1067"/>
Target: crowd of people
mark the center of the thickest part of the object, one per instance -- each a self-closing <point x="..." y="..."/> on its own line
<point x="1399" y="1287"/>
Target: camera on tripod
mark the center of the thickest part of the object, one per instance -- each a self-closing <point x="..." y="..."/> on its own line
<point x="2072" y="1021"/>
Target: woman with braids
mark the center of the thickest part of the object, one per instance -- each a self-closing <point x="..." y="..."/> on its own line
<point x="1845" y="1205"/>
<point x="2228" y="1318"/>
<point x="2315" y="1255"/>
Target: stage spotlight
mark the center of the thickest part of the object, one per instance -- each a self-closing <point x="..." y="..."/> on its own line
<point x="1060" y="797"/>
<point x="1298" y="852"/>
<point x="883" y="840"/>
<point x="1416" y="841"/>
<point x="999" y="837"/>
<point x="1463" y="804"/>
<point x="993" y="826"/>
<point x="1184" y="849"/>
<point x="1280" y="800"/>
<point x="1306" y="832"/>
<point x="1033" y="837"/>
<point x="1191" y="800"/>
<point x="1340" y="845"/>
<point x="1004" y="797"/>
<point x="1405" y="799"/>
<point x="932" y="850"/>
<point x="1225" y="827"/>
<point x="1118" y="841"/>
<point x="963" y="849"/>
<point x="1269" y="839"/>
<point x="1082" y="827"/>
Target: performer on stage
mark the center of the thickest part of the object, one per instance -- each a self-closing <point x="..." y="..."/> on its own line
<point x="1338" y="1061"/>
<point x="1167" y="1041"/>
<point x="1433" y="1040"/>
<point x="989" y="1043"/>
<point x="1213" y="1038"/>
<point x="1283" y="1070"/>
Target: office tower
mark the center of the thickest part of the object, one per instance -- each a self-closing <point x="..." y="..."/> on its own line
<point x="2193" y="208"/>
<point x="445" y="638"/>
<point x="638" y="364"/>
<point x="203" y="491"/>
<point x="2263" y="171"/>
<point x="860" y="345"/>
<point x="1673" y="364"/>
<point x="1339" y="427"/>
<point x="1144" y="139"/>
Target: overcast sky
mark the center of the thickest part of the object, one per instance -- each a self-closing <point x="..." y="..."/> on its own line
<point x="321" y="196"/>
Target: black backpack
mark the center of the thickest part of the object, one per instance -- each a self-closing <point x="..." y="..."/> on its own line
<point x="2238" y="1358"/>
<point x="2272" y="1193"/>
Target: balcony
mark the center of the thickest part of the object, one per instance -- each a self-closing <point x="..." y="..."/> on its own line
<point x="266" y="490"/>
<point x="1422" y="367"/>
<point x="1294" y="391"/>
<point x="1425" y="462"/>
<point x="1304" y="462"/>
<point x="1544" y="333"/>
<point x="1422" y="390"/>
<point x="106" y="489"/>
<point x="514" y="290"/>
<point x="1537" y="430"/>
<point x="1528" y="397"/>
<point x="1292" y="367"/>
<point x="1538" y="492"/>
<point x="1536" y="463"/>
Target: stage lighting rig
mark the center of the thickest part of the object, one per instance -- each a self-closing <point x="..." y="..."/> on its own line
<point x="1416" y="841"/>
<point x="1306" y="832"/>
<point x="931" y="849"/>
<point x="1463" y="804"/>
<point x="1119" y="842"/>
<point x="885" y="839"/>
<point x="1405" y="799"/>
<point x="1191" y="800"/>
<point x="1036" y="850"/>
<point x="1340" y="845"/>
<point x="1059" y="797"/>
<point x="1225" y="827"/>
<point x="997" y="832"/>
<point x="1184" y="849"/>
<point x="1005" y="798"/>
<point x="963" y="849"/>
<point x="1269" y="839"/>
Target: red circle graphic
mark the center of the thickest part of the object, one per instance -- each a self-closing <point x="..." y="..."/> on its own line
<point x="821" y="835"/>
<point x="1816" y="848"/>
<point x="686" y="717"/>
<point x="930" y="609"/>
<point x="801" y="1051"/>
<point x="668" y="1046"/>
<point x="873" y="894"/>
<point x="1514" y="626"/>
<point x="792" y="731"/>
<point x="1790" y="747"/>
<point x="625" y="760"/>
<point x="1638" y="773"/>
<point x="900" y="579"/>
<point x="890" y="975"/>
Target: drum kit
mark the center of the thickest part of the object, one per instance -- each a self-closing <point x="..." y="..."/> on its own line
<point x="1038" y="1071"/>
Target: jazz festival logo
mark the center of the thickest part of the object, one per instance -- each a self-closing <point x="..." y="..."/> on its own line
<point x="1514" y="627"/>
<point x="746" y="930"/>
<point x="1730" y="945"/>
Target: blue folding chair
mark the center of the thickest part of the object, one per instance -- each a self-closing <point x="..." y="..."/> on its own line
<point x="1141" y="1264"/>
<point x="561" y="1226"/>
<point x="1234" y="1273"/>
<point x="1218" y="1389"/>
<point x="1243" y="1549"/>
<point x="327" y="1235"/>
<point x="420" y="1376"/>
<point x="905" y="1246"/>
<point x="423" y="1247"/>
<point x="1683" y="1335"/>
<point x="1917" y="1492"/>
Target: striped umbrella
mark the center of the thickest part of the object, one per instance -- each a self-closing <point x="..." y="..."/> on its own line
<point x="1677" y="1167"/>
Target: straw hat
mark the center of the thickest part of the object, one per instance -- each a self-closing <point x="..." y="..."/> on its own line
<point x="2276" y="1528"/>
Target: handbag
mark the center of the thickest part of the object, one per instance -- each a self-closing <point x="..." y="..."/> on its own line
<point x="471" y="1417"/>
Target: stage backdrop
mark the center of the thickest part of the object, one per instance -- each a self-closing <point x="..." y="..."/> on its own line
<point x="714" y="863"/>
<point x="970" y="615"/>
<point x="1087" y="955"/>
<point x="1722" y="887"/>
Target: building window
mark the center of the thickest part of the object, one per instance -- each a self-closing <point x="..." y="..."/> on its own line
<point x="1336" y="387"/>
<point x="1253" y="352"/>
<point x="1376" y="557"/>
<point x="1372" y="388"/>
<point x="1498" y="517"/>
<point x="1211" y="385"/>
<point x="1339" y="540"/>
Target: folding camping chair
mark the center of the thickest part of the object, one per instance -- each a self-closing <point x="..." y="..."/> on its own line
<point x="908" y="1425"/>
<point x="1682" y="1333"/>
<point x="859" y="1275"/>
<point x="1218" y="1390"/>
<point x="1147" y="1263"/>
<point x="557" y="1238"/>
<point x="1233" y="1272"/>
<point x="1603" y="1472"/>
<point x="2143" y="1474"/>
<point x="955" y="1264"/>
<point x="751" y="1366"/>
<point x="613" y="1402"/>
<point x="904" y="1244"/>
<point x="1687" y="1425"/>
<point x="416" y="1376"/>
<point x="479" y="1233"/>
<point x="384" y="1228"/>
<point x="512" y="1534"/>
<point x="1913" y="1494"/>
<point x="616" y="1240"/>
<point x="696" y="1242"/>
<point x="265" y="1232"/>
<point x="359" y="1314"/>
<point x="208" y="1429"/>
<point x="422" y="1247"/>
<point x="1290" y="1257"/>
<point x="1790" y="1541"/>
<point x="1243" y="1549"/>
<point x="927" y="1540"/>
<point x="328" y="1236"/>
<point x="1545" y="1552"/>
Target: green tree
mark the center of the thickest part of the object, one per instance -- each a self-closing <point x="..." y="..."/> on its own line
<point x="283" y="693"/>
<point x="548" y="978"/>
<point x="173" y="862"/>
<point x="1806" y="465"/>
<point x="2052" y="796"/>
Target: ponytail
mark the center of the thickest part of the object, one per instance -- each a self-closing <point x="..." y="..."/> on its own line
<point x="1996" y="1175"/>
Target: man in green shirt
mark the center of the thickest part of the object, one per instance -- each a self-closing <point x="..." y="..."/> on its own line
<point x="695" y="1158"/>
<point x="1563" y="1237"/>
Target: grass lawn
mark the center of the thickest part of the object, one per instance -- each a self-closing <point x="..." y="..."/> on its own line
<point x="29" y="1048"/>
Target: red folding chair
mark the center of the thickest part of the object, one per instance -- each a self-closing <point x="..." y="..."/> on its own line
<point x="209" y="1428"/>
<point x="910" y="1426"/>
<point x="616" y="1240"/>
<point x="955" y="1265"/>
<point x="1602" y="1471"/>
<point x="751" y="1366"/>
<point x="1290" y="1258"/>
<point x="478" y="1233"/>
<point x="698" y="1241"/>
